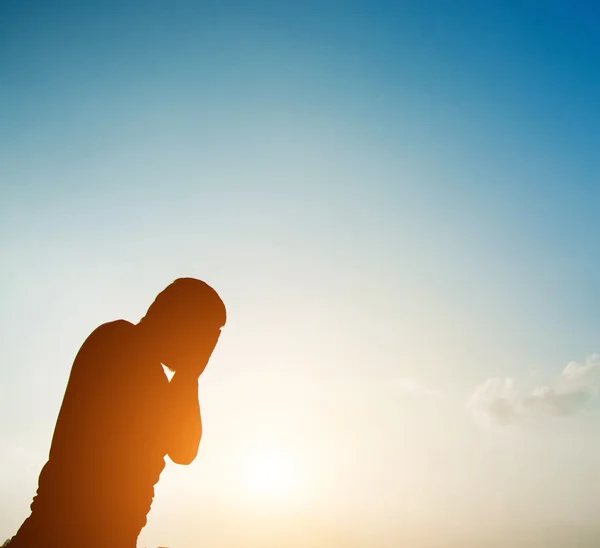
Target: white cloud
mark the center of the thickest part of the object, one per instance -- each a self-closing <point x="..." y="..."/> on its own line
<point x="497" y="401"/>
<point x="582" y="376"/>
<point x="548" y="400"/>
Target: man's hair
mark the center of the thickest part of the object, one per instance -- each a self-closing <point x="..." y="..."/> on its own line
<point x="188" y="300"/>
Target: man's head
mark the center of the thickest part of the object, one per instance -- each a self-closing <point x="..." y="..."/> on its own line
<point x="185" y="322"/>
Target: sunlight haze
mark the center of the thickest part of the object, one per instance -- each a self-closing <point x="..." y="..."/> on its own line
<point x="397" y="202"/>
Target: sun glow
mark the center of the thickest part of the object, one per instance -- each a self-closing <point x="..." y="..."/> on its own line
<point x="269" y="474"/>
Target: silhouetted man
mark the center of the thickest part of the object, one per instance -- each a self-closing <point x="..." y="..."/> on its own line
<point x="120" y="416"/>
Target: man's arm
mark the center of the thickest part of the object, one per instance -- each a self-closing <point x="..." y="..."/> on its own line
<point x="185" y="425"/>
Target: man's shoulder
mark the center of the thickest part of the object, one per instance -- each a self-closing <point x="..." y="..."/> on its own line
<point x="114" y="328"/>
<point x="107" y="335"/>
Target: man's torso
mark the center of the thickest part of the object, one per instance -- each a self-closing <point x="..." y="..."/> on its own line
<point x="108" y="447"/>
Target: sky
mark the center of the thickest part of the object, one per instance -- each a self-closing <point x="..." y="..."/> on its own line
<point x="398" y="203"/>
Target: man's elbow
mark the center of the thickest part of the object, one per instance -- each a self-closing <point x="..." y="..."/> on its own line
<point x="183" y="456"/>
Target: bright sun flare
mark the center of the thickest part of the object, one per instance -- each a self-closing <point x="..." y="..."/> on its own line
<point x="269" y="474"/>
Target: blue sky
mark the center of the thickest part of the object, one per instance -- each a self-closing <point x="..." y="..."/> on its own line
<point x="397" y="202"/>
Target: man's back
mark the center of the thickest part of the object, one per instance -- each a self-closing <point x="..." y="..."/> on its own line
<point x="108" y="447"/>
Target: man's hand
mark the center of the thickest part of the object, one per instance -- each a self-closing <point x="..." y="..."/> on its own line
<point x="193" y="354"/>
